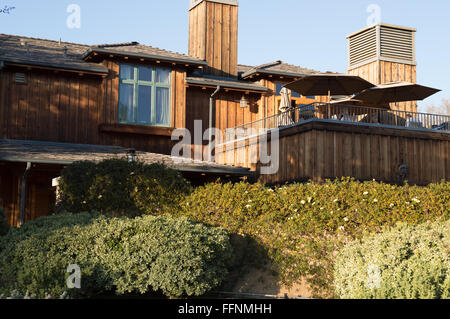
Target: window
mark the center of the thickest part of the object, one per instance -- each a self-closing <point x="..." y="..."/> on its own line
<point x="144" y="95"/>
<point x="279" y="86"/>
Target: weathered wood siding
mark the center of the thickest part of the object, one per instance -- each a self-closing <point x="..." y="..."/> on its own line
<point x="71" y="108"/>
<point x="40" y="197"/>
<point x="381" y="72"/>
<point x="324" y="150"/>
<point x="213" y="36"/>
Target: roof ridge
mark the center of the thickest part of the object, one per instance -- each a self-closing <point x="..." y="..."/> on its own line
<point x="266" y="65"/>
<point x="42" y="39"/>
<point x="112" y="45"/>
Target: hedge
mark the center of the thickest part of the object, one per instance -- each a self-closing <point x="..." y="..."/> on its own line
<point x="4" y="225"/>
<point x="117" y="187"/>
<point x="405" y="262"/>
<point x="304" y="225"/>
<point x="172" y="255"/>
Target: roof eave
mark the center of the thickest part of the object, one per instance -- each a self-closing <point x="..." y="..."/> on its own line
<point x="17" y="62"/>
<point x="227" y="85"/>
<point x="91" y="51"/>
<point x="261" y="71"/>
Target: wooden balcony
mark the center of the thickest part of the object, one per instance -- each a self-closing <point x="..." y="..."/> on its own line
<point x="326" y="141"/>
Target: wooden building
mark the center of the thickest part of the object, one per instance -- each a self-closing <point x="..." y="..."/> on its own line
<point x="61" y="102"/>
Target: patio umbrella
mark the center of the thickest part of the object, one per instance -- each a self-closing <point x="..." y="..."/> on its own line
<point x="395" y="92"/>
<point x="285" y="100"/>
<point x="285" y="117"/>
<point x="328" y="84"/>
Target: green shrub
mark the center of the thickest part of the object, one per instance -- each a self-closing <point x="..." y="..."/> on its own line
<point x="174" y="256"/>
<point x="304" y="225"/>
<point x="115" y="186"/>
<point x="4" y="226"/>
<point x="405" y="262"/>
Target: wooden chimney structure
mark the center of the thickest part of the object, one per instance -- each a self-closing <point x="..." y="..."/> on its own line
<point x="384" y="53"/>
<point x="213" y="35"/>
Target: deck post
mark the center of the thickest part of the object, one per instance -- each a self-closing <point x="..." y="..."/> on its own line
<point x="23" y="193"/>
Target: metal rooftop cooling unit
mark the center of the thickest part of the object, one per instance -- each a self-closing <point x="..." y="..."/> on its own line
<point x="382" y="42"/>
<point x="384" y="53"/>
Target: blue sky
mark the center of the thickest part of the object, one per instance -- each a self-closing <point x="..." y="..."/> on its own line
<point x="307" y="33"/>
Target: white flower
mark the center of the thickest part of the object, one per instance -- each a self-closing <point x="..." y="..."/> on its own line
<point x="366" y="193"/>
<point x="416" y="200"/>
<point x="248" y="206"/>
<point x="392" y="205"/>
<point x="341" y="228"/>
<point x="250" y="201"/>
<point x="345" y="219"/>
<point x="302" y="202"/>
<point x="375" y="200"/>
<point x="336" y="200"/>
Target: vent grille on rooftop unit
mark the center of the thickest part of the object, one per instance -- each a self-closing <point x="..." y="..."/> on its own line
<point x="363" y="46"/>
<point x="384" y="42"/>
<point x="397" y="43"/>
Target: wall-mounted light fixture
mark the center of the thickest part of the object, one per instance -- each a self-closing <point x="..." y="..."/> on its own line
<point x="244" y="102"/>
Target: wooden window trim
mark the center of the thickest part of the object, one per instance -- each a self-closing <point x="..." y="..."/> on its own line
<point x="153" y="85"/>
<point x="136" y="129"/>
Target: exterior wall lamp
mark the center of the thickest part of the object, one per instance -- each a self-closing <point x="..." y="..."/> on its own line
<point x="131" y="155"/>
<point x="244" y="102"/>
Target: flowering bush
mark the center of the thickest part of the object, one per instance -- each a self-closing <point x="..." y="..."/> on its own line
<point x="304" y="225"/>
<point x="171" y="255"/>
<point x="405" y="262"/>
<point x="116" y="187"/>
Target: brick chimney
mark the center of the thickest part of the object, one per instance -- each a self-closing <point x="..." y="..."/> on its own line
<point x="213" y="35"/>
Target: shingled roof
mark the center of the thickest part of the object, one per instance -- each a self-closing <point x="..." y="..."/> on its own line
<point x="67" y="153"/>
<point x="72" y="56"/>
<point x="275" y="68"/>
<point x="46" y="53"/>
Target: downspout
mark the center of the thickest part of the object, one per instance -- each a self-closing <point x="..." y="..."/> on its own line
<point x="211" y="102"/>
<point x="23" y="193"/>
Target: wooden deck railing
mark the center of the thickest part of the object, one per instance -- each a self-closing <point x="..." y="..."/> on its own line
<point x="343" y="113"/>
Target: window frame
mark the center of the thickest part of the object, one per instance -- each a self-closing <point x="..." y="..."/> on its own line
<point x="154" y="86"/>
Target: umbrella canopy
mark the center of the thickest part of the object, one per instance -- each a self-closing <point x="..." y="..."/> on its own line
<point x="285" y="100"/>
<point x="395" y="92"/>
<point x="329" y="84"/>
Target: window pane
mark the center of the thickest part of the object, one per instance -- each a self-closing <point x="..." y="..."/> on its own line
<point x="126" y="93"/>
<point x="162" y="106"/>
<point x="163" y="76"/>
<point x="295" y="94"/>
<point x="126" y="72"/>
<point x="145" y="74"/>
<point x="144" y="104"/>
<point x="278" y="89"/>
